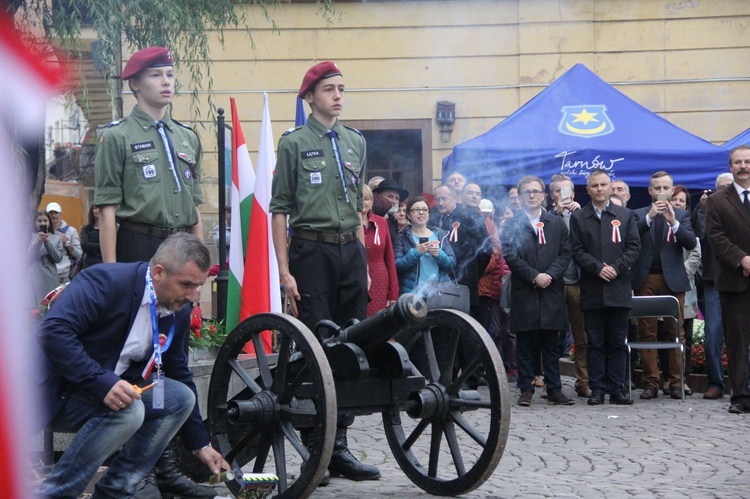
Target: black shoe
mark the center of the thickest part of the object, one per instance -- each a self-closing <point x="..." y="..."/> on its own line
<point x="306" y="438"/>
<point x="739" y="408"/>
<point x="620" y="398"/>
<point x="597" y="398"/>
<point x="345" y="465"/>
<point x="170" y="479"/>
<point x="650" y="393"/>
<point x="675" y="392"/>
<point x="147" y="489"/>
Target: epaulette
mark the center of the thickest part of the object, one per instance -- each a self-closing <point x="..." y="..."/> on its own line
<point x="293" y="129"/>
<point x="115" y="123"/>
<point x="352" y="129"/>
<point x="182" y="125"/>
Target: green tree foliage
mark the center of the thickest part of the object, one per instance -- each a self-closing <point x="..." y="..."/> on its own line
<point x="182" y="25"/>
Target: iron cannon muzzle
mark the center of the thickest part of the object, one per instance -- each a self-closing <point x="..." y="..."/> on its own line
<point x="409" y="310"/>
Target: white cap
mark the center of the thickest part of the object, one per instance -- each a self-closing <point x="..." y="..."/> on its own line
<point x="54" y="207"/>
<point x="486" y="206"/>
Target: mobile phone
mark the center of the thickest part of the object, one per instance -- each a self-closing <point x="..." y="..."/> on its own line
<point x="44" y="228"/>
<point x="566" y="193"/>
<point x="662" y="196"/>
<point x="423" y="240"/>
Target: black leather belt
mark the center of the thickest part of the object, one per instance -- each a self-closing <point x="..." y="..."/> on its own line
<point x="150" y="230"/>
<point x="322" y="237"/>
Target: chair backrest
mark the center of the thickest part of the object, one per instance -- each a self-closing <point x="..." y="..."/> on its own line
<point x="656" y="306"/>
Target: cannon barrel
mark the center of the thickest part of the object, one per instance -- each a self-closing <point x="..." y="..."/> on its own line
<point x="409" y="310"/>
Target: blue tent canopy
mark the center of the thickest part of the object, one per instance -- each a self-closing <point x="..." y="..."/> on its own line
<point x="580" y="123"/>
<point x="742" y="139"/>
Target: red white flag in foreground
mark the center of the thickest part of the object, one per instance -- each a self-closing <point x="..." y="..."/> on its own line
<point x="25" y="86"/>
<point x="261" y="282"/>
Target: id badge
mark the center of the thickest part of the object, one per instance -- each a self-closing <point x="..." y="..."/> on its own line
<point x="157" y="402"/>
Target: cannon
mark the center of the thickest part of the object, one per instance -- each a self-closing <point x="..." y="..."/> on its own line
<point x="411" y="364"/>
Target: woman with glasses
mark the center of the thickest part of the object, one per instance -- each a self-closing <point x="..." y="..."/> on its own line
<point x="380" y="261"/>
<point x="423" y="253"/>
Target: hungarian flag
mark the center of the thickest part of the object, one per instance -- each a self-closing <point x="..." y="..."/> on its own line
<point x="243" y="185"/>
<point x="261" y="290"/>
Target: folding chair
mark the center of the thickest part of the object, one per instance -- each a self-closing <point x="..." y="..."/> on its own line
<point x="658" y="306"/>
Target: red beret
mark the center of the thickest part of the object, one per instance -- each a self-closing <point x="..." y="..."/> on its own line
<point x="152" y="57"/>
<point x="316" y="73"/>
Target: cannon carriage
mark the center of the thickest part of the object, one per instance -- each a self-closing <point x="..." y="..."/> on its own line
<point x="411" y="364"/>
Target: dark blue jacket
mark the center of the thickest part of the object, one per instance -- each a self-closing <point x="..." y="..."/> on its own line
<point x="407" y="259"/>
<point x="82" y="336"/>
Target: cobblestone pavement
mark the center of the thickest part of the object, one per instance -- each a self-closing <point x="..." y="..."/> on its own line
<point x="654" y="448"/>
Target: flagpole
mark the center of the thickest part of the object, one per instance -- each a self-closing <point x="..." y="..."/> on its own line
<point x="222" y="279"/>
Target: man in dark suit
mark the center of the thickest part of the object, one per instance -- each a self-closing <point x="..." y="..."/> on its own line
<point x="728" y="231"/>
<point x="536" y="246"/>
<point x="99" y="344"/>
<point x="660" y="270"/>
<point x="605" y="244"/>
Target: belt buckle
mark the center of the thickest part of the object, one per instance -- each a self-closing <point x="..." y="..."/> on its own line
<point x="343" y="238"/>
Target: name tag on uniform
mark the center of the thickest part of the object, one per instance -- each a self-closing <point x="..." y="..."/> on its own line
<point x="316" y="178"/>
<point x="149" y="171"/>
<point x="318" y="153"/>
<point x="143" y="146"/>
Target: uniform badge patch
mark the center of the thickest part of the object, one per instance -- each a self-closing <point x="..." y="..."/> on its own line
<point x="318" y="153"/>
<point x="149" y="171"/>
<point x="316" y="178"/>
<point x="142" y="146"/>
<point x="187" y="173"/>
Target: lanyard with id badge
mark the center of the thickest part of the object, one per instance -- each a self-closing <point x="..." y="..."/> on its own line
<point x="161" y="345"/>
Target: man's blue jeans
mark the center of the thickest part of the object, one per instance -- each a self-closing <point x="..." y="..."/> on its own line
<point x="141" y="431"/>
<point x="714" y="336"/>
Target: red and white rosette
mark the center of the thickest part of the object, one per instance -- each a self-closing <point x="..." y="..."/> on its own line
<point x="670" y="236"/>
<point x="540" y="233"/>
<point x="616" y="231"/>
<point x="454" y="232"/>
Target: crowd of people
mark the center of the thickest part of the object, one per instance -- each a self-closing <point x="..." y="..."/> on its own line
<point x="538" y="269"/>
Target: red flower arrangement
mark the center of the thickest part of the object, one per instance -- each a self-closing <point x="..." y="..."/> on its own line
<point x="205" y="332"/>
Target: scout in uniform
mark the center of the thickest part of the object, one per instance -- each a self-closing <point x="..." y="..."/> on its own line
<point x="147" y="167"/>
<point x="148" y="181"/>
<point x="318" y="185"/>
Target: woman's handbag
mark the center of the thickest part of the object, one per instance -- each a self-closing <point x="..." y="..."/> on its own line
<point x="446" y="295"/>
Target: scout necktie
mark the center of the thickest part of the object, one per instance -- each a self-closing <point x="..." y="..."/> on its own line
<point x="337" y="154"/>
<point x="169" y="149"/>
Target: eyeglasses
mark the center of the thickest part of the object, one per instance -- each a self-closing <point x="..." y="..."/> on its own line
<point x="535" y="192"/>
<point x="420" y="210"/>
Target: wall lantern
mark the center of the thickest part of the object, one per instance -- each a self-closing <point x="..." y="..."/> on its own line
<point x="445" y="117"/>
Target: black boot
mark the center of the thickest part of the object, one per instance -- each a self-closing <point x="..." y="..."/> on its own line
<point x="171" y="480"/>
<point x="146" y="488"/>
<point x="306" y="437"/>
<point x="344" y="464"/>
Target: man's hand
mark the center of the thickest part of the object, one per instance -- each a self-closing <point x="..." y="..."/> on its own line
<point x="542" y="280"/>
<point x="705" y="195"/>
<point x="64" y="239"/>
<point x="213" y="460"/>
<point x="669" y="214"/>
<point x="608" y="273"/>
<point x="657" y="208"/>
<point x="121" y="395"/>
<point x="290" y="286"/>
<point x="569" y="205"/>
<point x="745" y="263"/>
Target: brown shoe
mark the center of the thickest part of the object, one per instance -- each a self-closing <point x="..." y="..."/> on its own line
<point x="559" y="398"/>
<point x="650" y="393"/>
<point x="584" y="391"/>
<point x="713" y="393"/>
<point x="525" y="399"/>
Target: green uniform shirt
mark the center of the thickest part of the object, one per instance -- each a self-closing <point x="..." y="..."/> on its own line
<point x="307" y="185"/>
<point x="132" y="171"/>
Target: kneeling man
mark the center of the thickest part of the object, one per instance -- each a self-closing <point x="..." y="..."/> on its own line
<point x="117" y="327"/>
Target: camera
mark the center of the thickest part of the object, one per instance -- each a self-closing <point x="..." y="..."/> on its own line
<point x="44" y="228"/>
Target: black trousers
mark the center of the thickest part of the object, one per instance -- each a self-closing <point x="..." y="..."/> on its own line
<point x="607" y="353"/>
<point x="135" y="247"/>
<point x="332" y="283"/>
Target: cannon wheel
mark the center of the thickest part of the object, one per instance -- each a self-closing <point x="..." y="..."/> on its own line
<point x="473" y="423"/>
<point x="296" y="391"/>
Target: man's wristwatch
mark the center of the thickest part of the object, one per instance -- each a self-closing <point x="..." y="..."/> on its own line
<point x="196" y="452"/>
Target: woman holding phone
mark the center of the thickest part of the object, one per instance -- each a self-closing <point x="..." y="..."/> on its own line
<point x="423" y="253"/>
<point x="45" y="250"/>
